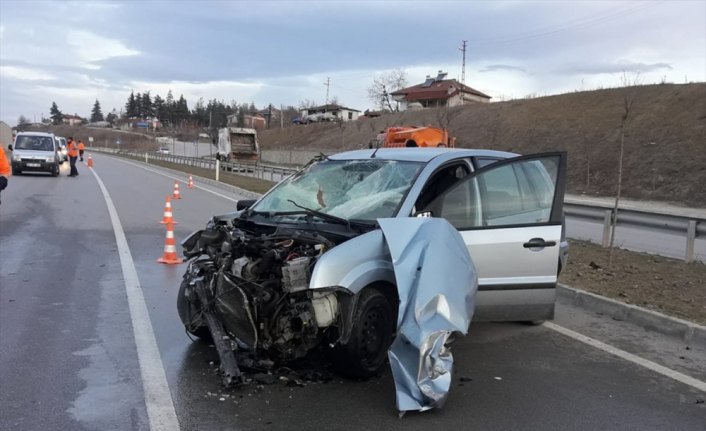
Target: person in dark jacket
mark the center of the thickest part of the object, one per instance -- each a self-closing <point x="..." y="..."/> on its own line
<point x="72" y="150"/>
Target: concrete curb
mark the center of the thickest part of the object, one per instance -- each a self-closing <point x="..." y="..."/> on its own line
<point x="690" y="332"/>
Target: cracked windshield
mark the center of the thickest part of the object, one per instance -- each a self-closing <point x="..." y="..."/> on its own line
<point x="359" y="189"/>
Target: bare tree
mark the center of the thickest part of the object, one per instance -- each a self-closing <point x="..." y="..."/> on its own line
<point x="442" y="116"/>
<point x="628" y="101"/>
<point x="383" y="85"/>
<point x="307" y="104"/>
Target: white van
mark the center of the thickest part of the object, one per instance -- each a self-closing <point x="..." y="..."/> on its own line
<point x="36" y="152"/>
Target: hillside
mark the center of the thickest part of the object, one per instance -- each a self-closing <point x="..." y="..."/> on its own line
<point x="665" y="146"/>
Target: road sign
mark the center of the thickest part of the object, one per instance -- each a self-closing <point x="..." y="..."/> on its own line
<point x="90" y="139"/>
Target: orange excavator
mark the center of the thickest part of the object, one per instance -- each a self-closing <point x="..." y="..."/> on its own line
<point x="413" y="136"/>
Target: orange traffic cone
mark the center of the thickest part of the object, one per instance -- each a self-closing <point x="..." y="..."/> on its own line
<point x="176" y="194"/>
<point x="168" y="213"/>
<point x="191" y="182"/>
<point x="90" y="161"/>
<point x="170" y="256"/>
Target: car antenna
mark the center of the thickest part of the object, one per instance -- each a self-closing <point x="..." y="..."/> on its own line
<point x="372" y="156"/>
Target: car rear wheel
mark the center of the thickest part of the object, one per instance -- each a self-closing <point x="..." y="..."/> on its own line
<point x="371" y="336"/>
<point x="410" y="143"/>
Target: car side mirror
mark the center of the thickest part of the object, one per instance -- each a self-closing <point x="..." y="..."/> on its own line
<point x="244" y="204"/>
<point x="9" y="147"/>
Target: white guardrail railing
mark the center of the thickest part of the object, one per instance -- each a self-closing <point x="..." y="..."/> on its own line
<point x="691" y="226"/>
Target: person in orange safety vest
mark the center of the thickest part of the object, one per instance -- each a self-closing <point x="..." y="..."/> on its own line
<point x="4" y="169"/>
<point x="72" y="150"/>
<point x="81" y="147"/>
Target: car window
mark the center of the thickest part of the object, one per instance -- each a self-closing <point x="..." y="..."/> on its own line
<point x="482" y="162"/>
<point x="517" y="193"/>
<point x="36" y="143"/>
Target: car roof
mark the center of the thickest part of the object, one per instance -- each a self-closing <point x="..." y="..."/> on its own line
<point x="420" y="154"/>
<point x="35" y="134"/>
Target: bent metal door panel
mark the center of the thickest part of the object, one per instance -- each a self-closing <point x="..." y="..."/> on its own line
<point x="510" y="217"/>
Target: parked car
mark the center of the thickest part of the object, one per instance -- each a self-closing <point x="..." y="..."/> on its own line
<point x="35" y="152"/>
<point x="299" y="120"/>
<point x="320" y="117"/>
<point x="62" y="148"/>
<point x="163" y="150"/>
<point x="303" y="267"/>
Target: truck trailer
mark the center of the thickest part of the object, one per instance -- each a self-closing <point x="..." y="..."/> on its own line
<point x="238" y="144"/>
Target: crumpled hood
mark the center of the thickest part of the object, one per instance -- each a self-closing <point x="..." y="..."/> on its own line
<point x="437" y="283"/>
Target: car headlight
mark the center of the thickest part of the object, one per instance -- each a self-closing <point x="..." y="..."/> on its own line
<point x="16" y="157"/>
<point x="50" y="159"/>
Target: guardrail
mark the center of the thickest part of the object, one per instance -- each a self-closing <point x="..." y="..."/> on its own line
<point x="258" y="170"/>
<point x="691" y="226"/>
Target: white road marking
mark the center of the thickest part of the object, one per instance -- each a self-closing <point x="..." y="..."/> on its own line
<point x="667" y="372"/>
<point x="158" y="399"/>
<point x="175" y="178"/>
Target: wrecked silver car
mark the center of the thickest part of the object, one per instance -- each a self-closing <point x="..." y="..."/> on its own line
<point x="364" y="248"/>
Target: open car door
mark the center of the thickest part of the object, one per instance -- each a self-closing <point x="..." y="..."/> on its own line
<point x="510" y="216"/>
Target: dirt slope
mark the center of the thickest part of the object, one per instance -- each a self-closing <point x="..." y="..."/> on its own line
<point x="665" y="147"/>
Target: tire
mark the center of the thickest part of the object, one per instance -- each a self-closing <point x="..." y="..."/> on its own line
<point x="188" y="308"/>
<point x="410" y="143"/>
<point x="441" y="145"/>
<point x="371" y="336"/>
<point x="16" y="172"/>
<point x="55" y="171"/>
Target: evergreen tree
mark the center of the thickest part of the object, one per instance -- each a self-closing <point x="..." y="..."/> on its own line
<point x="181" y="111"/>
<point x="147" y="109"/>
<point x="55" y="114"/>
<point x="158" y="107"/>
<point x="169" y="108"/>
<point x="138" y="105"/>
<point x="241" y="115"/>
<point x="96" y="113"/>
<point x="131" y="106"/>
<point x="200" y="113"/>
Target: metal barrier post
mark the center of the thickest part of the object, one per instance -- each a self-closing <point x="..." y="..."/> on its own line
<point x="272" y="174"/>
<point x="146" y="159"/>
<point x="218" y="169"/>
<point x="690" y="239"/>
<point x="607" y="217"/>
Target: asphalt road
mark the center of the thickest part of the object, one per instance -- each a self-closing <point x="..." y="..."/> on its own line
<point x="69" y="359"/>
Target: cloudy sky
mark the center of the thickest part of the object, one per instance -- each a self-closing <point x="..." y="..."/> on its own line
<point x="282" y="52"/>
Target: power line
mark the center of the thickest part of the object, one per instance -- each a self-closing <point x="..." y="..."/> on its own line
<point x="591" y="20"/>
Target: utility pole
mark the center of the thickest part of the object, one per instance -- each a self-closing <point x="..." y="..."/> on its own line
<point x="327" y="84"/>
<point x="463" y="65"/>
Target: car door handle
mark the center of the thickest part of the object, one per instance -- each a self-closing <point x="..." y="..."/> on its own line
<point x="538" y="243"/>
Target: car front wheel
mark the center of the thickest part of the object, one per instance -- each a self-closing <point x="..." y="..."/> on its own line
<point x="189" y="309"/>
<point x="371" y="336"/>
